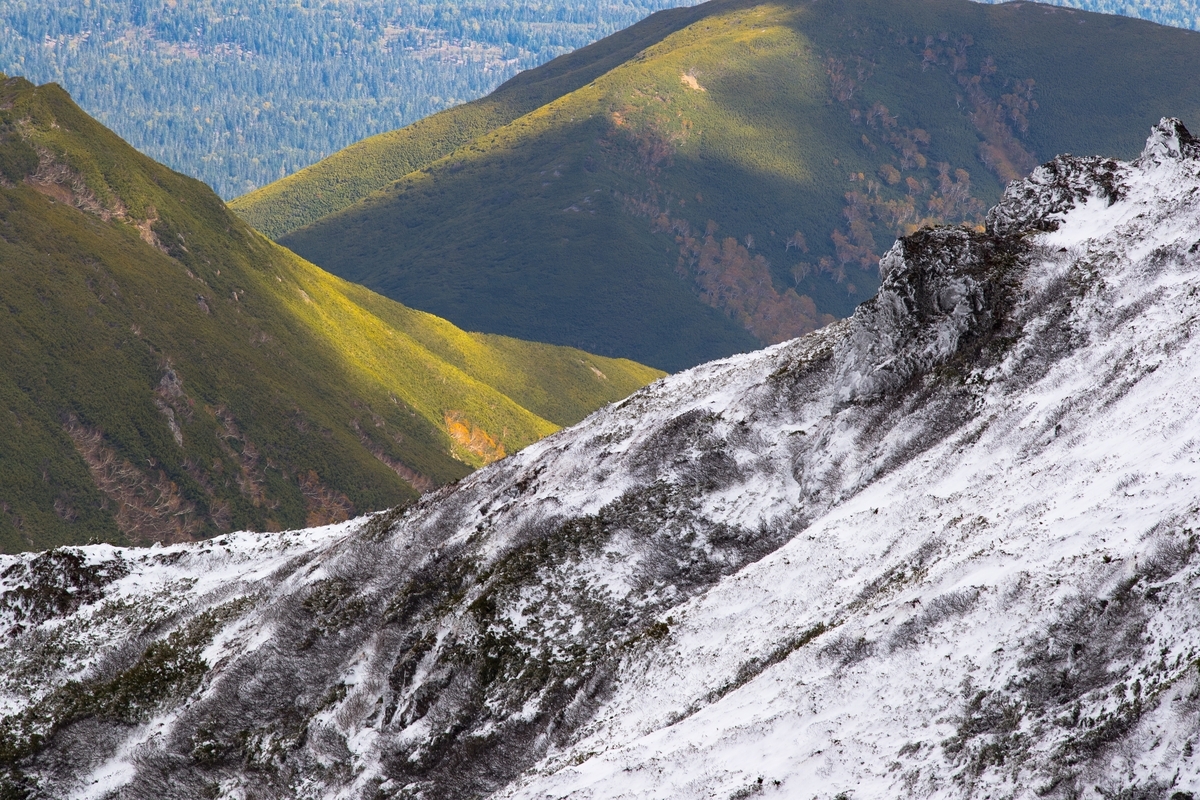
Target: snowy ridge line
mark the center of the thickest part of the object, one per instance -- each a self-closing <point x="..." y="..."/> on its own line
<point x="959" y="724"/>
<point x="945" y="548"/>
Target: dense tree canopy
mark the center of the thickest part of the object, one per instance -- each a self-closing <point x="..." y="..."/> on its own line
<point x="242" y="92"/>
<point x="1177" y="13"/>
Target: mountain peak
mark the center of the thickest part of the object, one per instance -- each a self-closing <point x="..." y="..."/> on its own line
<point x="1169" y="140"/>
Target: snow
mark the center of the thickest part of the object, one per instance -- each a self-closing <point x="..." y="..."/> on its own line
<point x="935" y="546"/>
<point x="1057" y="508"/>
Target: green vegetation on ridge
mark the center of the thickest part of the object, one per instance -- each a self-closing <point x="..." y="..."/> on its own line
<point x="351" y="174"/>
<point x="168" y="373"/>
<point x="735" y="182"/>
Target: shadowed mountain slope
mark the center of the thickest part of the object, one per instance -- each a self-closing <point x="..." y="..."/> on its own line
<point x="736" y="180"/>
<point x="168" y="373"/>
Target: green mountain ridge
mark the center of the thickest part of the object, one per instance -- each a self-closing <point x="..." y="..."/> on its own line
<point x="168" y="373"/>
<point x="336" y="182"/>
<point x="735" y="181"/>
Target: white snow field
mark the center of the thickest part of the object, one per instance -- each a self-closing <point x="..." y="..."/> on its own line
<point x="946" y="548"/>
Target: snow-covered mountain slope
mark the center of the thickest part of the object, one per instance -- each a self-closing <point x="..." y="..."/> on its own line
<point x="945" y="548"/>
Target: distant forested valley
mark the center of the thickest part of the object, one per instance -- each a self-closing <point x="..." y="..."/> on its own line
<point x="242" y="92"/>
<point x="1176" y="13"/>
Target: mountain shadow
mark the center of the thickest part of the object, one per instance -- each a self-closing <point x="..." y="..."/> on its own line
<point x="751" y="160"/>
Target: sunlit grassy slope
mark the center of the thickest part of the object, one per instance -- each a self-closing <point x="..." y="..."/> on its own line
<point x="350" y="174"/>
<point x="735" y="181"/>
<point x="166" y="372"/>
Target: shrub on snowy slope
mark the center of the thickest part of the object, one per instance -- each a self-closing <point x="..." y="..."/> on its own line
<point x="939" y="548"/>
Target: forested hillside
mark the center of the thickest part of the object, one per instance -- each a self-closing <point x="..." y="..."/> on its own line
<point x="167" y="373"/>
<point x="242" y="92"/>
<point x="1178" y="13"/>
<point x="735" y="181"/>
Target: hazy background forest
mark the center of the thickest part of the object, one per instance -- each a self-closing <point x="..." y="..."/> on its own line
<point x="242" y="92"/>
